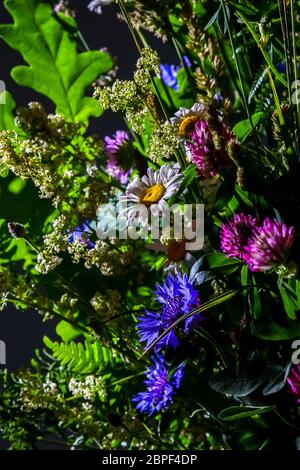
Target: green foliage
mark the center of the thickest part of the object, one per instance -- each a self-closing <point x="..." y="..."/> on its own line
<point x="83" y="358"/>
<point x="55" y="68"/>
<point x="7" y="119"/>
<point x="244" y="128"/>
<point x="239" y="412"/>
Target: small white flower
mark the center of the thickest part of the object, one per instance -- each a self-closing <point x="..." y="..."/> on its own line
<point x="96" y="5"/>
<point x="152" y="192"/>
<point x="186" y="119"/>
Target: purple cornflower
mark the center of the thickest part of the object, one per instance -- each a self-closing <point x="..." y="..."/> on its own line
<point x="161" y="388"/>
<point x="203" y="153"/>
<point x="169" y="73"/>
<point x="235" y="234"/>
<point x="177" y="296"/>
<point x="269" y="245"/>
<point x="80" y="233"/>
<point x="294" y="382"/>
<point x="119" y="152"/>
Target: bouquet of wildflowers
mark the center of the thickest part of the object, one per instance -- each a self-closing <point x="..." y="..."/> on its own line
<point x="168" y="251"/>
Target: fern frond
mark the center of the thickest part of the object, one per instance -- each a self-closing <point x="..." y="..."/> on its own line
<point x="83" y="358"/>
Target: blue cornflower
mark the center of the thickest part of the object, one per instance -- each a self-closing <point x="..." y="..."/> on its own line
<point x="80" y="233"/>
<point x="169" y="74"/>
<point x="281" y="66"/>
<point x="161" y="388"/>
<point x="176" y="296"/>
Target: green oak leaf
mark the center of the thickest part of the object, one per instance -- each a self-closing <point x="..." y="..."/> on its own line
<point x="55" y="68"/>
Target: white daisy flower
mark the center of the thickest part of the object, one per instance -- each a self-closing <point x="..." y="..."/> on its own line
<point x="151" y="192"/>
<point x="96" y="5"/>
<point x="186" y="119"/>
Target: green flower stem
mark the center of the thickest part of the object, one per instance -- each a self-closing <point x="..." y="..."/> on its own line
<point x="129" y="24"/>
<point x="243" y="93"/>
<point x="295" y="61"/>
<point x="84" y="43"/>
<point x="276" y="99"/>
<point x="204" y="334"/>
<point x="263" y="51"/>
<point x="286" y="42"/>
<point x="182" y="60"/>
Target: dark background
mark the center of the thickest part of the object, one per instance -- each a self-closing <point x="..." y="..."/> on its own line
<point x="23" y="331"/>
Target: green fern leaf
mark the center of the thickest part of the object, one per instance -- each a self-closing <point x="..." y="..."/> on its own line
<point x="82" y="358"/>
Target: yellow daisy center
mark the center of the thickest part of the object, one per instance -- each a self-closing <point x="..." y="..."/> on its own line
<point x="187" y="125"/>
<point x="153" y="194"/>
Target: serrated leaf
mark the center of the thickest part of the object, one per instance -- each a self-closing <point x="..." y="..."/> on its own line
<point x="84" y="357"/>
<point x="55" y="68"/>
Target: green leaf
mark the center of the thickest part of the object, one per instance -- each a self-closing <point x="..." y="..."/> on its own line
<point x="239" y="412"/>
<point x="277" y="376"/>
<point x="218" y="260"/>
<point x="243" y="128"/>
<point x="17" y="185"/>
<point x="55" y="68"/>
<point x="257" y="304"/>
<point x="7" y="118"/>
<point x="224" y="194"/>
<point x="247" y="9"/>
<point x="242" y="384"/>
<point x="289" y="302"/>
<point x="271" y="331"/>
<point x="67" y="332"/>
<point x="213" y="18"/>
<point x="190" y="173"/>
<point x="83" y="358"/>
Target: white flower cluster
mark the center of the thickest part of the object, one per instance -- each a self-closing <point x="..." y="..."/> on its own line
<point x="88" y="389"/>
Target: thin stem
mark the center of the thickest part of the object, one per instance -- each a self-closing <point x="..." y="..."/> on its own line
<point x="237" y="66"/>
<point x="297" y="114"/>
<point x="84" y="43"/>
<point x="276" y="98"/>
<point x="202" y="332"/>
<point x="181" y="58"/>
<point x="264" y="53"/>
<point x="129" y="24"/>
<point x="283" y="21"/>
